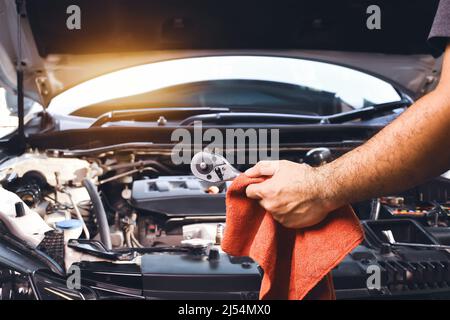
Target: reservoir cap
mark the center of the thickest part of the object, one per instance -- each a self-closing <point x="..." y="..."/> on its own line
<point x="68" y="224"/>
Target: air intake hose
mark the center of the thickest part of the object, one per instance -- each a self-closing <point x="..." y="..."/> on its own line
<point x="100" y="213"/>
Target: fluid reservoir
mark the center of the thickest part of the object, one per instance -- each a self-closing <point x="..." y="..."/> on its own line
<point x="72" y="228"/>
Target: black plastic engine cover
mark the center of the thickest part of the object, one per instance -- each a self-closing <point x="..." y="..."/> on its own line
<point x="191" y="276"/>
<point x="178" y="196"/>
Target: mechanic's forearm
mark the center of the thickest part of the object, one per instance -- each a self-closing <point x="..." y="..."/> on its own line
<point x="414" y="147"/>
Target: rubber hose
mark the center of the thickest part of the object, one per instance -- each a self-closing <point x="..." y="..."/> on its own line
<point x="100" y="213"/>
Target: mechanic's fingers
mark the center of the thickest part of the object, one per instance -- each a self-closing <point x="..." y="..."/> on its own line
<point x="254" y="191"/>
<point x="280" y="218"/>
<point x="263" y="168"/>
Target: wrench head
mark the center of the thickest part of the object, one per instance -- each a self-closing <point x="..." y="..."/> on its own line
<point x="212" y="167"/>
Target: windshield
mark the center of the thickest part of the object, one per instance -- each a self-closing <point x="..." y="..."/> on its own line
<point x="265" y="83"/>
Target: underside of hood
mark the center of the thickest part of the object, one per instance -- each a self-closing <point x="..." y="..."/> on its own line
<point x="115" y="34"/>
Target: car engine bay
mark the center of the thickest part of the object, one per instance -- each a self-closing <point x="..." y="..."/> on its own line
<point x="138" y="227"/>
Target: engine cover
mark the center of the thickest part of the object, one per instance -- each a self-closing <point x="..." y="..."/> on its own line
<point x="178" y="196"/>
<point x="176" y="275"/>
<point x="173" y="276"/>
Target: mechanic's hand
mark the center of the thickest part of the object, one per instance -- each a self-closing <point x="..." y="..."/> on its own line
<point x="295" y="194"/>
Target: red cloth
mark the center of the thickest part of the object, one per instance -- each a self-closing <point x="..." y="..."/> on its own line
<point x="297" y="264"/>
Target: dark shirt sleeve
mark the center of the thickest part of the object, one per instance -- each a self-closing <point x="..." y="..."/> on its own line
<point x="440" y="31"/>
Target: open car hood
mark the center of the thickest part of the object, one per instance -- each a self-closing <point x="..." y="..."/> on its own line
<point x="116" y="34"/>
